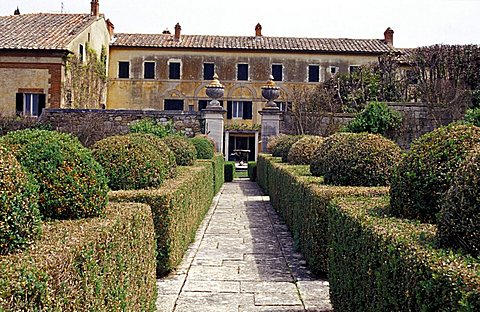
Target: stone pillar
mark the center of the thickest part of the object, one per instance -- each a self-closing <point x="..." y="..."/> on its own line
<point x="270" y="125"/>
<point x="214" y="125"/>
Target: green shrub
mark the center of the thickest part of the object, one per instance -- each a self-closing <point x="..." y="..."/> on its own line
<point x="150" y="126"/>
<point x="252" y="170"/>
<point x="356" y="159"/>
<point x="217" y="163"/>
<point x="272" y="142"/>
<point x="459" y="220"/>
<point x="19" y="215"/>
<point x="184" y="150"/>
<point x="472" y="116"/>
<point x="134" y="161"/>
<point x="94" y="264"/>
<point x="427" y="170"/>
<point x="178" y="209"/>
<point x="72" y="184"/>
<point x="302" y="151"/>
<point x="376" y="118"/>
<point x="283" y="145"/>
<point x="229" y="171"/>
<point x="380" y="263"/>
<point x="205" y="148"/>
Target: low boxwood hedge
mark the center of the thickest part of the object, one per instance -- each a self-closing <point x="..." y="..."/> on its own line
<point x="381" y="263"/>
<point x="252" y="170"/>
<point x="178" y="207"/>
<point x="229" y="171"/>
<point x="96" y="264"/>
<point x="218" y="165"/>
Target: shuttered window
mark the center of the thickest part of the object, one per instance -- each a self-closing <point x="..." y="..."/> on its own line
<point x="208" y="71"/>
<point x="173" y="105"/>
<point x="313" y="73"/>
<point x="174" y="70"/>
<point x="149" y="70"/>
<point x="123" y="69"/>
<point x="277" y="72"/>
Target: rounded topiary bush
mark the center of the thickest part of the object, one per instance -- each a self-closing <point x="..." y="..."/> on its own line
<point x="283" y="145"/>
<point x="184" y="150"/>
<point x="272" y="142"/>
<point x="19" y="215"/>
<point x="72" y="184"/>
<point x="459" y="218"/>
<point x="356" y="159"/>
<point x="205" y="147"/>
<point x="427" y="170"/>
<point x="302" y="151"/>
<point x="134" y="161"/>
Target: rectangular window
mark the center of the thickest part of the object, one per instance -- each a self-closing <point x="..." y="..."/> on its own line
<point x="30" y="104"/>
<point x="174" y="70"/>
<point x="313" y="73"/>
<point x="149" y="70"/>
<point x="239" y="110"/>
<point x="333" y="70"/>
<point x="123" y="69"/>
<point x="353" y="69"/>
<point x="173" y="105"/>
<point x="242" y="71"/>
<point x="277" y="72"/>
<point x="208" y="71"/>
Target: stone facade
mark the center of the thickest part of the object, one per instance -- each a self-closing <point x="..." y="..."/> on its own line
<point x="91" y="125"/>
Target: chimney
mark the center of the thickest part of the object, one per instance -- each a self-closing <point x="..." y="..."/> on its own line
<point x="258" y="30"/>
<point x="178" y="28"/>
<point x="110" y="27"/>
<point x="16" y="12"/>
<point x="389" y="36"/>
<point x="95" y="8"/>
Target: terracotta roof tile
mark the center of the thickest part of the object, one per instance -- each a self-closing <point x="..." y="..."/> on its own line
<point x="42" y="30"/>
<point x="251" y="43"/>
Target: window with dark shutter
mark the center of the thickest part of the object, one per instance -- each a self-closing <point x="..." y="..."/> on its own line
<point x="174" y="70"/>
<point x="173" y="105"/>
<point x="208" y="71"/>
<point x="41" y="103"/>
<point x="123" y="69"/>
<point x="313" y="73"/>
<point x="277" y="72"/>
<point x="229" y="109"/>
<point x="149" y="70"/>
<point x="247" y="110"/>
<point x="242" y="71"/>
<point x="19" y="104"/>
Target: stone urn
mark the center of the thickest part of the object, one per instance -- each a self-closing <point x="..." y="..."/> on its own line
<point x="271" y="92"/>
<point x="215" y="91"/>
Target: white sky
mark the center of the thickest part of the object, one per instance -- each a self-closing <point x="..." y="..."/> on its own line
<point x="415" y="22"/>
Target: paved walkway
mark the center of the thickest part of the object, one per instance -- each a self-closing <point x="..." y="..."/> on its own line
<point x="242" y="260"/>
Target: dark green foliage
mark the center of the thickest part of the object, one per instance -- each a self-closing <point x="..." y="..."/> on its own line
<point x="217" y="163"/>
<point x="72" y="184"/>
<point x="425" y="173"/>
<point x="252" y="170"/>
<point x="95" y="264"/>
<point x="135" y="161"/>
<point x="283" y="145"/>
<point x="205" y="148"/>
<point x="302" y="201"/>
<point x="376" y="118"/>
<point x="178" y="209"/>
<point x="184" y="150"/>
<point x="356" y="159"/>
<point x="150" y="126"/>
<point x="302" y="151"/>
<point x="380" y="263"/>
<point x="19" y="216"/>
<point x="459" y="220"/>
<point x="229" y="171"/>
<point x="472" y="116"/>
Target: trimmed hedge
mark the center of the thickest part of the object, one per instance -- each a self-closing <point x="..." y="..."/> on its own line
<point x="184" y="150"/>
<point x="19" y="215"/>
<point x="178" y="207"/>
<point x="252" y="170"/>
<point x="303" y="205"/>
<point x="204" y="146"/>
<point x="218" y="165"/>
<point x="72" y="184"/>
<point x="135" y="160"/>
<point x="426" y="172"/>
<point x="283" y="144"/>
<point x="229" y="171"/>
<point x="459" y="221"/>
<point x="380" y="263"/>
<point x="95" y="264"/>
<point x="302" y="151"/>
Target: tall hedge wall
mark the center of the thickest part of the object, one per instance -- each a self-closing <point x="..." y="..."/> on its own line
<point x="95" y="264"/>
<point x="178" y="207"/>
<point x="374" y="262"/>
<point x="303" y="205"/>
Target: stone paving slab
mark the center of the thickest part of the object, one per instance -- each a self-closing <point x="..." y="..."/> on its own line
<point x="243" y="259"/>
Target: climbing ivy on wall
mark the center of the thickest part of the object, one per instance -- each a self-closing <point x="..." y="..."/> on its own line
<point x="86" y="79"/>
